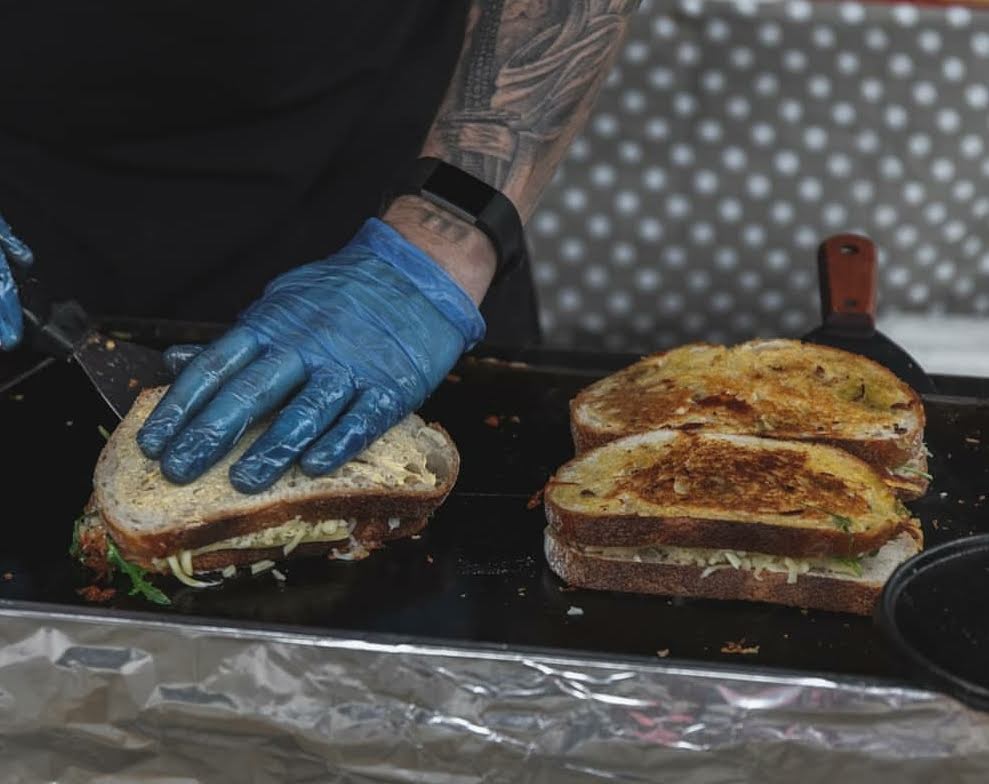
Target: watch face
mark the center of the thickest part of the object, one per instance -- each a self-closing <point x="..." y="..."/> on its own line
<point x="459" y="189"/>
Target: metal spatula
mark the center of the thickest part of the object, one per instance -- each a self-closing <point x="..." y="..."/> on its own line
<point x="848" y="270"/>
<point x="118" y="369"/>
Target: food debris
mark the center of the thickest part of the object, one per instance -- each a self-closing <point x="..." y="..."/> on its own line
<point x="739" y="647"/>
<point x="8" y="576"/>
<point x="18" y="397"/>
<point x="521" y="591"/>
<point x="429" y="558"/>
<point x="133" y="383"/>
<point x="492" y="420"/>
<point x="503" y="363"/>
<point x="574" y="611"/>
<point x="111" y="344"/>
<point x="278" y="575"/>
<point x="416" y="536"/>
<point x="804" y="611"/>
<point x="662" y="653"/>
<point x="453" y="378"/>
<point x="535" y="499"/>
<point x="935" y="523"/>
<point x="514" y="419"/>
<point x="93" y="593"/>
<point x="69" y="423"/>
<point x="943" y="495"/>
<point x="103" y="432"/>
<point x="463" y="596"/>
<point x="969" y="440"/>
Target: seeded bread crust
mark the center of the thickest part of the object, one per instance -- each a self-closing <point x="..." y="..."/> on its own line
<point x="887" y="452"/>
<point x="369" y="534"/>
<point x="811" y="591"/>
<point x="307" y="499"/>
<point x="640" y="531"/>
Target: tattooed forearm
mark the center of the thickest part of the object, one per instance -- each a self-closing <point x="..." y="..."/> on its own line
<point x="526" y="81"/>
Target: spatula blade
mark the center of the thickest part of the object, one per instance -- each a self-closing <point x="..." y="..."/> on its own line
<point x="120" y="370"/>
<point x="881" y="349"/>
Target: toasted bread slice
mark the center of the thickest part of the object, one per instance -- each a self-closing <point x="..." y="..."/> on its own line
<point x="400" y="478"/>
<point x="780" y="389"/>
<point x="674" y="487"/>
<point x="838" y="586"/>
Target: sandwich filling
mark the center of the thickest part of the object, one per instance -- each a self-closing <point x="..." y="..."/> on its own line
<point x="874" y="566"/>
<point x="288" y="536"/>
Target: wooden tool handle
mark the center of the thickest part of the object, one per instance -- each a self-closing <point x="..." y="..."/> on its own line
<point x="847" y="267"/>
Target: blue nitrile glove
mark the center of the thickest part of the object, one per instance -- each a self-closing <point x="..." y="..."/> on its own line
<point x="361" y="338"/>
<point x="11" y="323"/>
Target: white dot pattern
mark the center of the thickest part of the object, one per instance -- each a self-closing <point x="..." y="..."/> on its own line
<point x="733" y="136"/>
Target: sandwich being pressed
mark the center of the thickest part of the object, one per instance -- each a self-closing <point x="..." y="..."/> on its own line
<point x="727" y="516"/>
<point x="142" y="522"/>
<point x="781" y="389"/>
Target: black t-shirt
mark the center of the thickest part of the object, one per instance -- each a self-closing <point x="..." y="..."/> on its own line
<point x="168" y="159"/>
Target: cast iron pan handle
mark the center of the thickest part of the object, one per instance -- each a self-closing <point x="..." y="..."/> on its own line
<point x="847" y="267"/>
<point x="53" y="328"/>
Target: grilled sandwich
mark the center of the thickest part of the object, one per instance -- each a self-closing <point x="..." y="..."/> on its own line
<point x="144" y="523"/>
<point x="727" y="516"/>
<point x="781" y="389"/>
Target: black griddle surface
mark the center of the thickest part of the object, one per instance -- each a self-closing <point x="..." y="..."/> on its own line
<point x="477" y="575"/>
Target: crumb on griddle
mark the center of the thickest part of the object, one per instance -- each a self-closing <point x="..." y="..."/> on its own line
<point x="970" y="440"/>
<point x="94" y="593"/>
<point x="739" y="647"/>
<point x="453" y="378"/>
<point x="535" y="499"/>
<point x="133" y="383"/>
<point x="111" y="344"/>
<point x="662" y="653"/>
<point x="429" y="558"/>
<point x="514" y="419"/>
<point x="8" y="576"/>
<point x="492" y="420"/>
<point x="18" y="397"/>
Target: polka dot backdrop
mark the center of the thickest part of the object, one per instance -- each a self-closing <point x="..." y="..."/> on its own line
<point x="731" y="137"/>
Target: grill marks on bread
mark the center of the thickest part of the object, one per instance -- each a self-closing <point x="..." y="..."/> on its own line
<point x="699" y="472"/>
<point x="729" y="491"/>
<point x="779" y="389"/>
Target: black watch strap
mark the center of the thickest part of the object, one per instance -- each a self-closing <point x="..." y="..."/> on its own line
<point x="471" y="200"/>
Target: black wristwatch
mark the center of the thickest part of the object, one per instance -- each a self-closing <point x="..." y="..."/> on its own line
<point x="471" y="200"/>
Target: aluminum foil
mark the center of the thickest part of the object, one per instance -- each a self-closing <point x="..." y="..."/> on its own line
<point x="109" y="699"/>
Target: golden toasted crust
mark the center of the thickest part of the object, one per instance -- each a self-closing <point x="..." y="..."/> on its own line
<point x="734" y="492"/>
<point x="775" y="389"/>
<point x="810" y="591"/>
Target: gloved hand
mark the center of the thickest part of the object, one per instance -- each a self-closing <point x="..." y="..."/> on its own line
<point x="11" y="323"/>
<point x="361" y="338"/>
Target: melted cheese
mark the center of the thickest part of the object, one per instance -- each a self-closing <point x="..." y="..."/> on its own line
<point x="712" y="560"/>
<point x="288" y="536"/>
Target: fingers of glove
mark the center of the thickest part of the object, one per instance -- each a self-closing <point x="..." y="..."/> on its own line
<point x="375" y="410"/>
<point x="177" y="357"/>
<point x="11" y="321"/>
<point x="16" y="251"/>
<point x="195" y="387"/>
<point x="299" y="424"/>
<point x="241" y="401"/>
